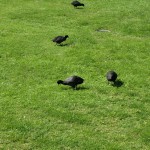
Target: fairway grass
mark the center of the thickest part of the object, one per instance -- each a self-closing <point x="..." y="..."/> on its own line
<point x="36" y="113"/>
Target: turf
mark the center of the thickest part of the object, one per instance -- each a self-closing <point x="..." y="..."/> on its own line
<point x="38" y="114"/>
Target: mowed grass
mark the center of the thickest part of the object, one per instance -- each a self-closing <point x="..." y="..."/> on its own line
<point x="38" y="114"/>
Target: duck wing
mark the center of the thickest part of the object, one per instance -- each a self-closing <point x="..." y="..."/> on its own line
<point x="58" y="39"/>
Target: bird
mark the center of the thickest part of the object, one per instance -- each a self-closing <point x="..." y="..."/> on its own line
<point x="77" y="3"/>
<point x="72" y="81"/>
<point x="60" y="39"/>
<point x="111" y="76"/>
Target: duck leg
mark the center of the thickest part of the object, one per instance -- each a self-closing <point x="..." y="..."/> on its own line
<point x="75" y="87"/>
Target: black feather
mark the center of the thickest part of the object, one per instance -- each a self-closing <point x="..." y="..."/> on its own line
<point x="111" y="76"/>
<point x="72" y="81"/>
<point x="77" y="3"/>
<point x="60" y="39"/>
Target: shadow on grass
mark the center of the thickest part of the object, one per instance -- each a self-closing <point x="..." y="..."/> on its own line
<point x="78" y="88"/>
<point x="79" y="7"/>
<point x="118" y="83"/>
<point x="67" y="44"/>
<point x="82" y="88"/>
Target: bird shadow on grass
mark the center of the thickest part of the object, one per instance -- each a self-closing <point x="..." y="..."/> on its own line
<point x="82" y="88"/>
<point x="118" y="83"/>
<point x="78" y="88"/>
<point x="66" y="44"/>
<point x="79" y="8"/>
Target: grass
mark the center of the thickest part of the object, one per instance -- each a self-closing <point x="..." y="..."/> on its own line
<point x="38" y="114"/>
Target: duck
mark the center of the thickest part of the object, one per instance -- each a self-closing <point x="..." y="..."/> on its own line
<point x="77" y="3"/>
<point x="72" y="81"/>
<point x="111" y="76"/>
<point x="60" y="39"/>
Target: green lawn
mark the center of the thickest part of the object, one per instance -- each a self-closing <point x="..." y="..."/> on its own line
<point x="36" y="113"/>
